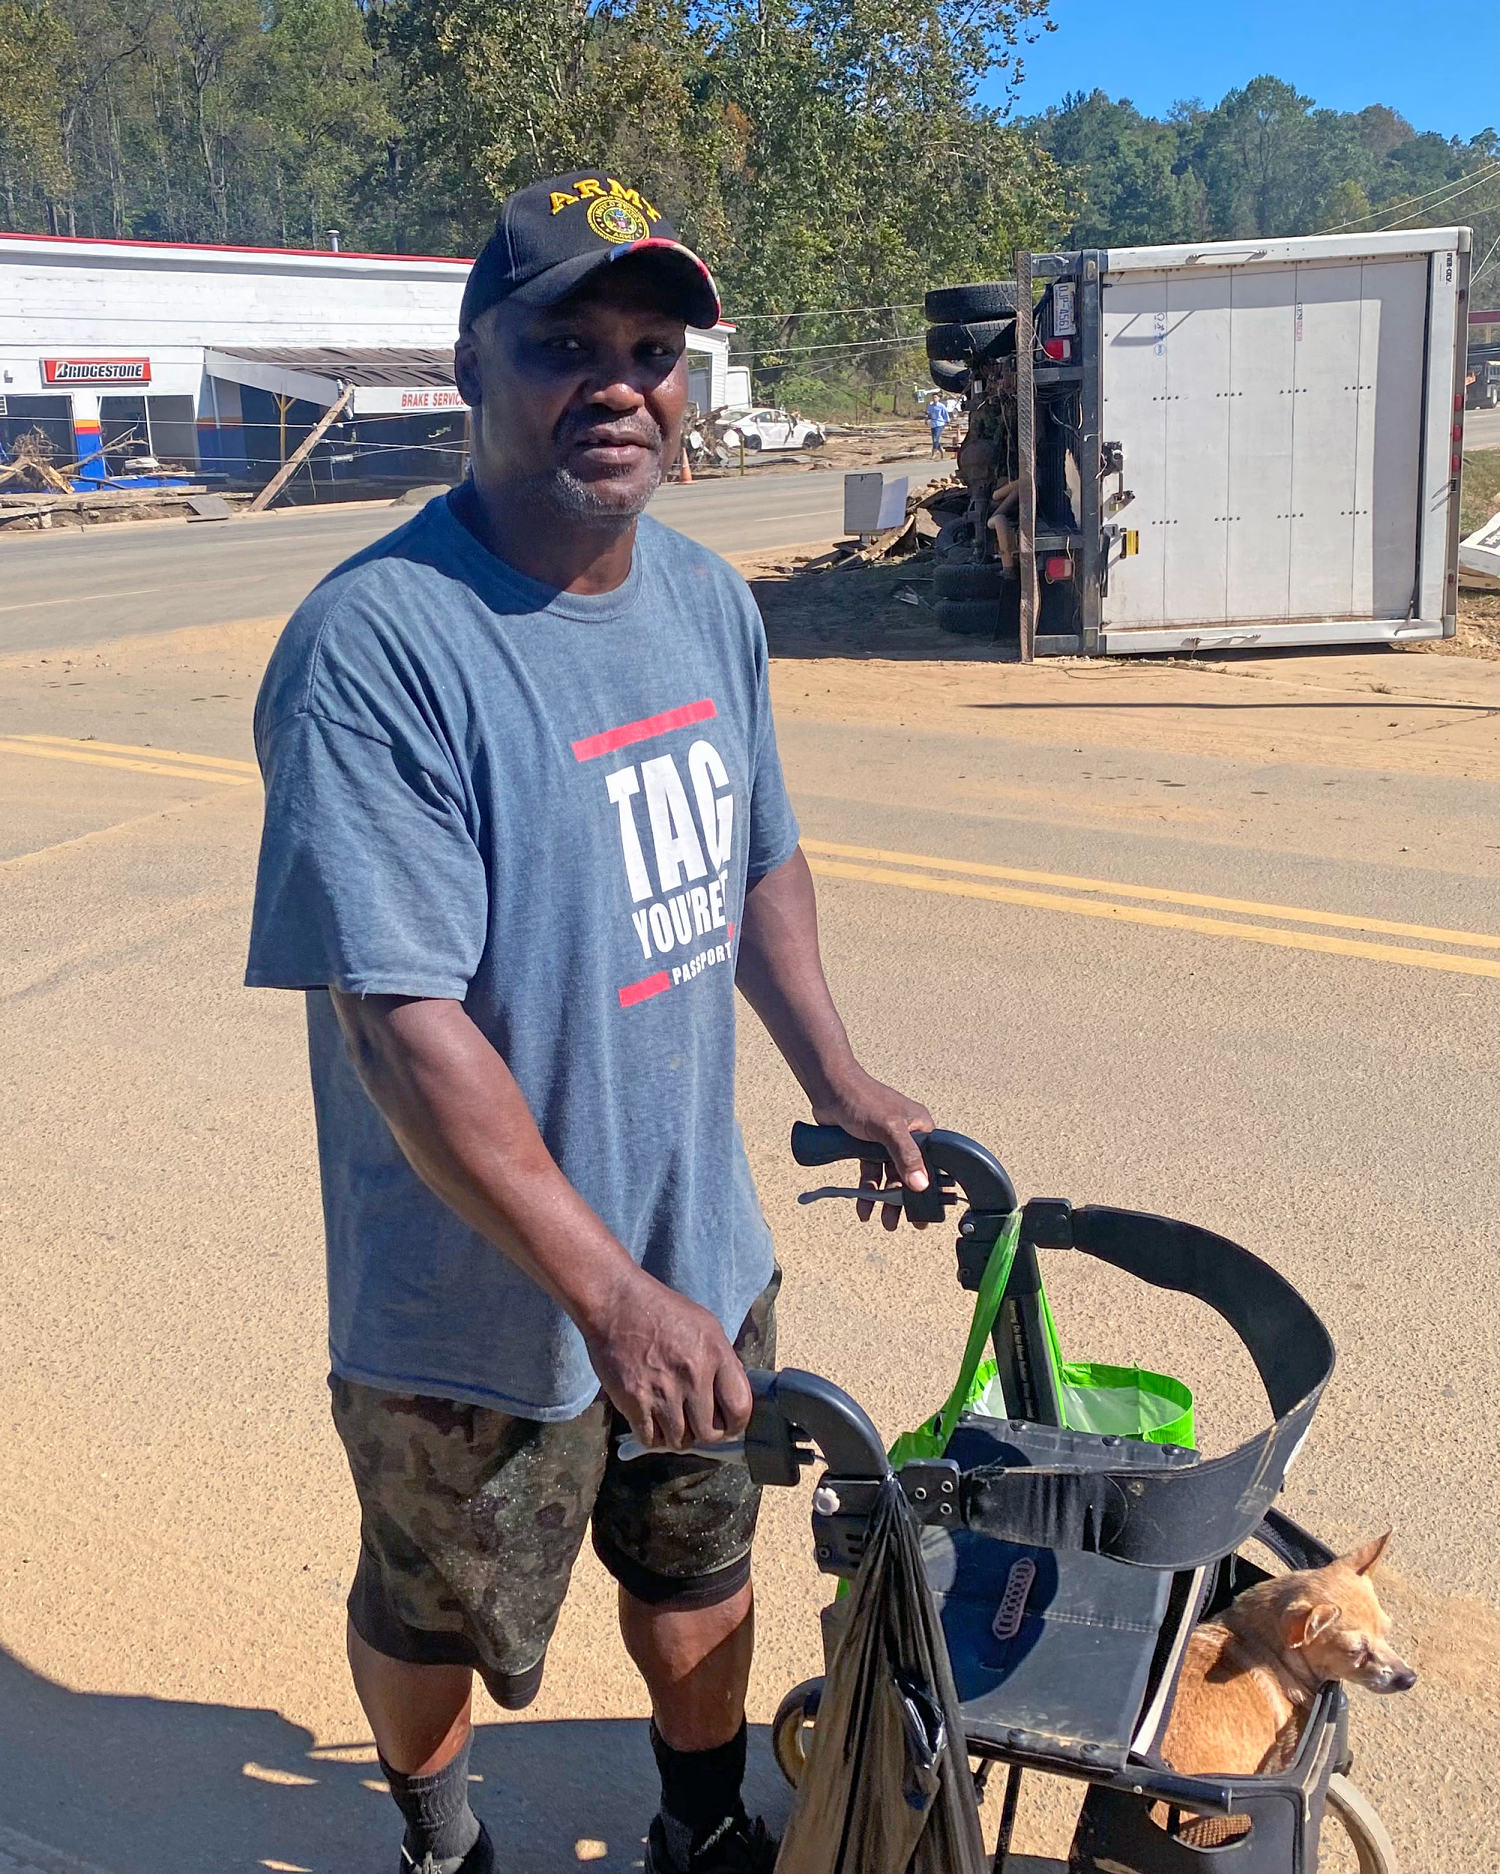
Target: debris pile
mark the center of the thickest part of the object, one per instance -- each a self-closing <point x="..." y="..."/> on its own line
<point x="30" y="466"/>
<point x="913" y="537"/>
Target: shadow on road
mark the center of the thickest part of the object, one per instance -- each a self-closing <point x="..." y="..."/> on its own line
<point x="855" y="612"/>
<point x="155" y="1786"/>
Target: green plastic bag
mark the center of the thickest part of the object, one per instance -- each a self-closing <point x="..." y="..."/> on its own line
<point x="1126" y="1401"/>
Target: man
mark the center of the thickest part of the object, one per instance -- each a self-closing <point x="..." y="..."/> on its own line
<point x="937" y="422"/>
<point x="525" y="834"/>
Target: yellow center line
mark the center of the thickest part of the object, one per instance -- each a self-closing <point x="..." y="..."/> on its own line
<point x="1163" y="920"/>
<point x="14" y="745"/>
<point x="1290" y="914"/>
<point x="144" y="754"/>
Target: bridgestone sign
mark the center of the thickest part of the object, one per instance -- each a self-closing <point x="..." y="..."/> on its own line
<point x="96" y="370"/>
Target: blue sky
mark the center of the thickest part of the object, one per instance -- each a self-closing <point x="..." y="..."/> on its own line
<point x="1434" y="64"/>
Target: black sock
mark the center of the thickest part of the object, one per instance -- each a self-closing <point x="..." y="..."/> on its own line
<point x="700" y="1791"/>
<point x="439" y="1821"/>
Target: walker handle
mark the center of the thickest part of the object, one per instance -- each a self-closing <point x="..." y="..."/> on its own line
<point x="795" y="1412"/>
<point x="949" y="1156"/>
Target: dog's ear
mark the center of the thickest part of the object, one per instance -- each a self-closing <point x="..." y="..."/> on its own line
<point x="1362" y="1560"/>
<point x="1305" y="1623"/>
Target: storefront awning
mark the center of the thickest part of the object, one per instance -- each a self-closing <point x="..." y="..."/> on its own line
<point x="386" y="379"/>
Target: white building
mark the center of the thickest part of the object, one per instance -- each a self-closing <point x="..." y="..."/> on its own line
<point x="221" y="359"/>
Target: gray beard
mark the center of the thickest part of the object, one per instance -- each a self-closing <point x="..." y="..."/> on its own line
<point x="572" y="498"/>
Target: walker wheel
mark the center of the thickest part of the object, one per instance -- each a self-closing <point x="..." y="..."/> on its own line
<point x="792" y="1728"/>
<point x="1363" y="1829"/>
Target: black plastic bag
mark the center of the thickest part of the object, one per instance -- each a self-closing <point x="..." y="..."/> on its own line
<point x="887" y="1786"/>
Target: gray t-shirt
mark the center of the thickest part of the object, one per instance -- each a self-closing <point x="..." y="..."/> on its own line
<point x="545" y="806"/>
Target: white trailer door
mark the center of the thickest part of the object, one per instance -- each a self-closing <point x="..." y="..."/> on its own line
<point x="1262" y="373"/>
<point x="1393" y="321"/>
<point x="1325" y="303"/>
<point x="1197" y="395"/>
<point x="1271" y="420"/>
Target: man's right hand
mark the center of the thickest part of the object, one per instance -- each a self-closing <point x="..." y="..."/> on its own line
<point x="467" y="1131"/>
<point x="666" y="1364"/>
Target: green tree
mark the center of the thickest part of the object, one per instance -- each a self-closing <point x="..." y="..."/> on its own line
<point x="328" y="116"/>
<point x="1271" y="163"/>
<point x="1261" y="161"/>
<point x="1122" y="167"/>
<point x="495" y="94"/>
<point x="1381" y="130"/>
<point x="865" y="170"/>
<point x="35" y="47"/>
<point x="821" y="153"/>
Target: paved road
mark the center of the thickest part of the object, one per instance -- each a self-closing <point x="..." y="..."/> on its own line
<point x="1172" y="938"/>
<point x="1482" y="429"/>
<point x="80" y="588"/>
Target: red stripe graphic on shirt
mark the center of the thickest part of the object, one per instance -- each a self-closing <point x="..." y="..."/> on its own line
<point x="608" y="740"/>
<point x="642" y="991"/>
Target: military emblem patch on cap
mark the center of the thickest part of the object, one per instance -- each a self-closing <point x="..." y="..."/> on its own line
<point x="615" y="220"/>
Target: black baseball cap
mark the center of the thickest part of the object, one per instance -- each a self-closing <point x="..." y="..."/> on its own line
<point x="552" y="235"/>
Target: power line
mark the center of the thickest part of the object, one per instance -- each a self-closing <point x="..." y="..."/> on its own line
<point x="857" y="344"/>
<point x="824" y="312"/>
<point x="1447" y="201"/>
<point x="1465" y="186"/>
<point x="1406" y="204"/>
<point x="1411" y="203"/>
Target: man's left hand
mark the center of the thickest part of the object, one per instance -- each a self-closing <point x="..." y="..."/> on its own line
<point x="871" y="1110"/>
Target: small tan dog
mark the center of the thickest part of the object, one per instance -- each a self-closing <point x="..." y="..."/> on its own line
<point x="1250" y="1676"/>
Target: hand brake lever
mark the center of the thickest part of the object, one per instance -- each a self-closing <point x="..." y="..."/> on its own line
<point x="895" y="1194"/>
<point x="919" y="1206"/>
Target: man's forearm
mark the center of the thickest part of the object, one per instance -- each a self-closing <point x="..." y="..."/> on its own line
<point x="464" y="1126"/>
<point x="456" y="1112"/>
<point x="780" y="974"/>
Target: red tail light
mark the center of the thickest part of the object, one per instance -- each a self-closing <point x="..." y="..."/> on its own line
<point x="1057" y="567"/>
<point x="1058" y="349"/>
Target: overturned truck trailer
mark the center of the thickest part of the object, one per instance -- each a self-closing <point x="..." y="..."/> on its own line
<point x="1240" y="444"/>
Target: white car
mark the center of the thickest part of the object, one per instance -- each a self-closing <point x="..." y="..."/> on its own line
<point x="773" y="429"/>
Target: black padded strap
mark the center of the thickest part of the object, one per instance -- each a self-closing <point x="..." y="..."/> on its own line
<point x="1174" y="1518"/>
<point x="1285" y="1339"/>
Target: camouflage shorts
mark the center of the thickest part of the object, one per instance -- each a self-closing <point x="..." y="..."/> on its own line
<point x="471" y="1520"/>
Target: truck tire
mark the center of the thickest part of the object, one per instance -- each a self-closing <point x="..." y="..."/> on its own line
<point x="993" y="299"/>
<point x="969" y="618"/>
<point x="971" y="579"/>
<point x="957" y="343"/>
<point x="954" y="536"/>
<point x="951" y="377"/>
